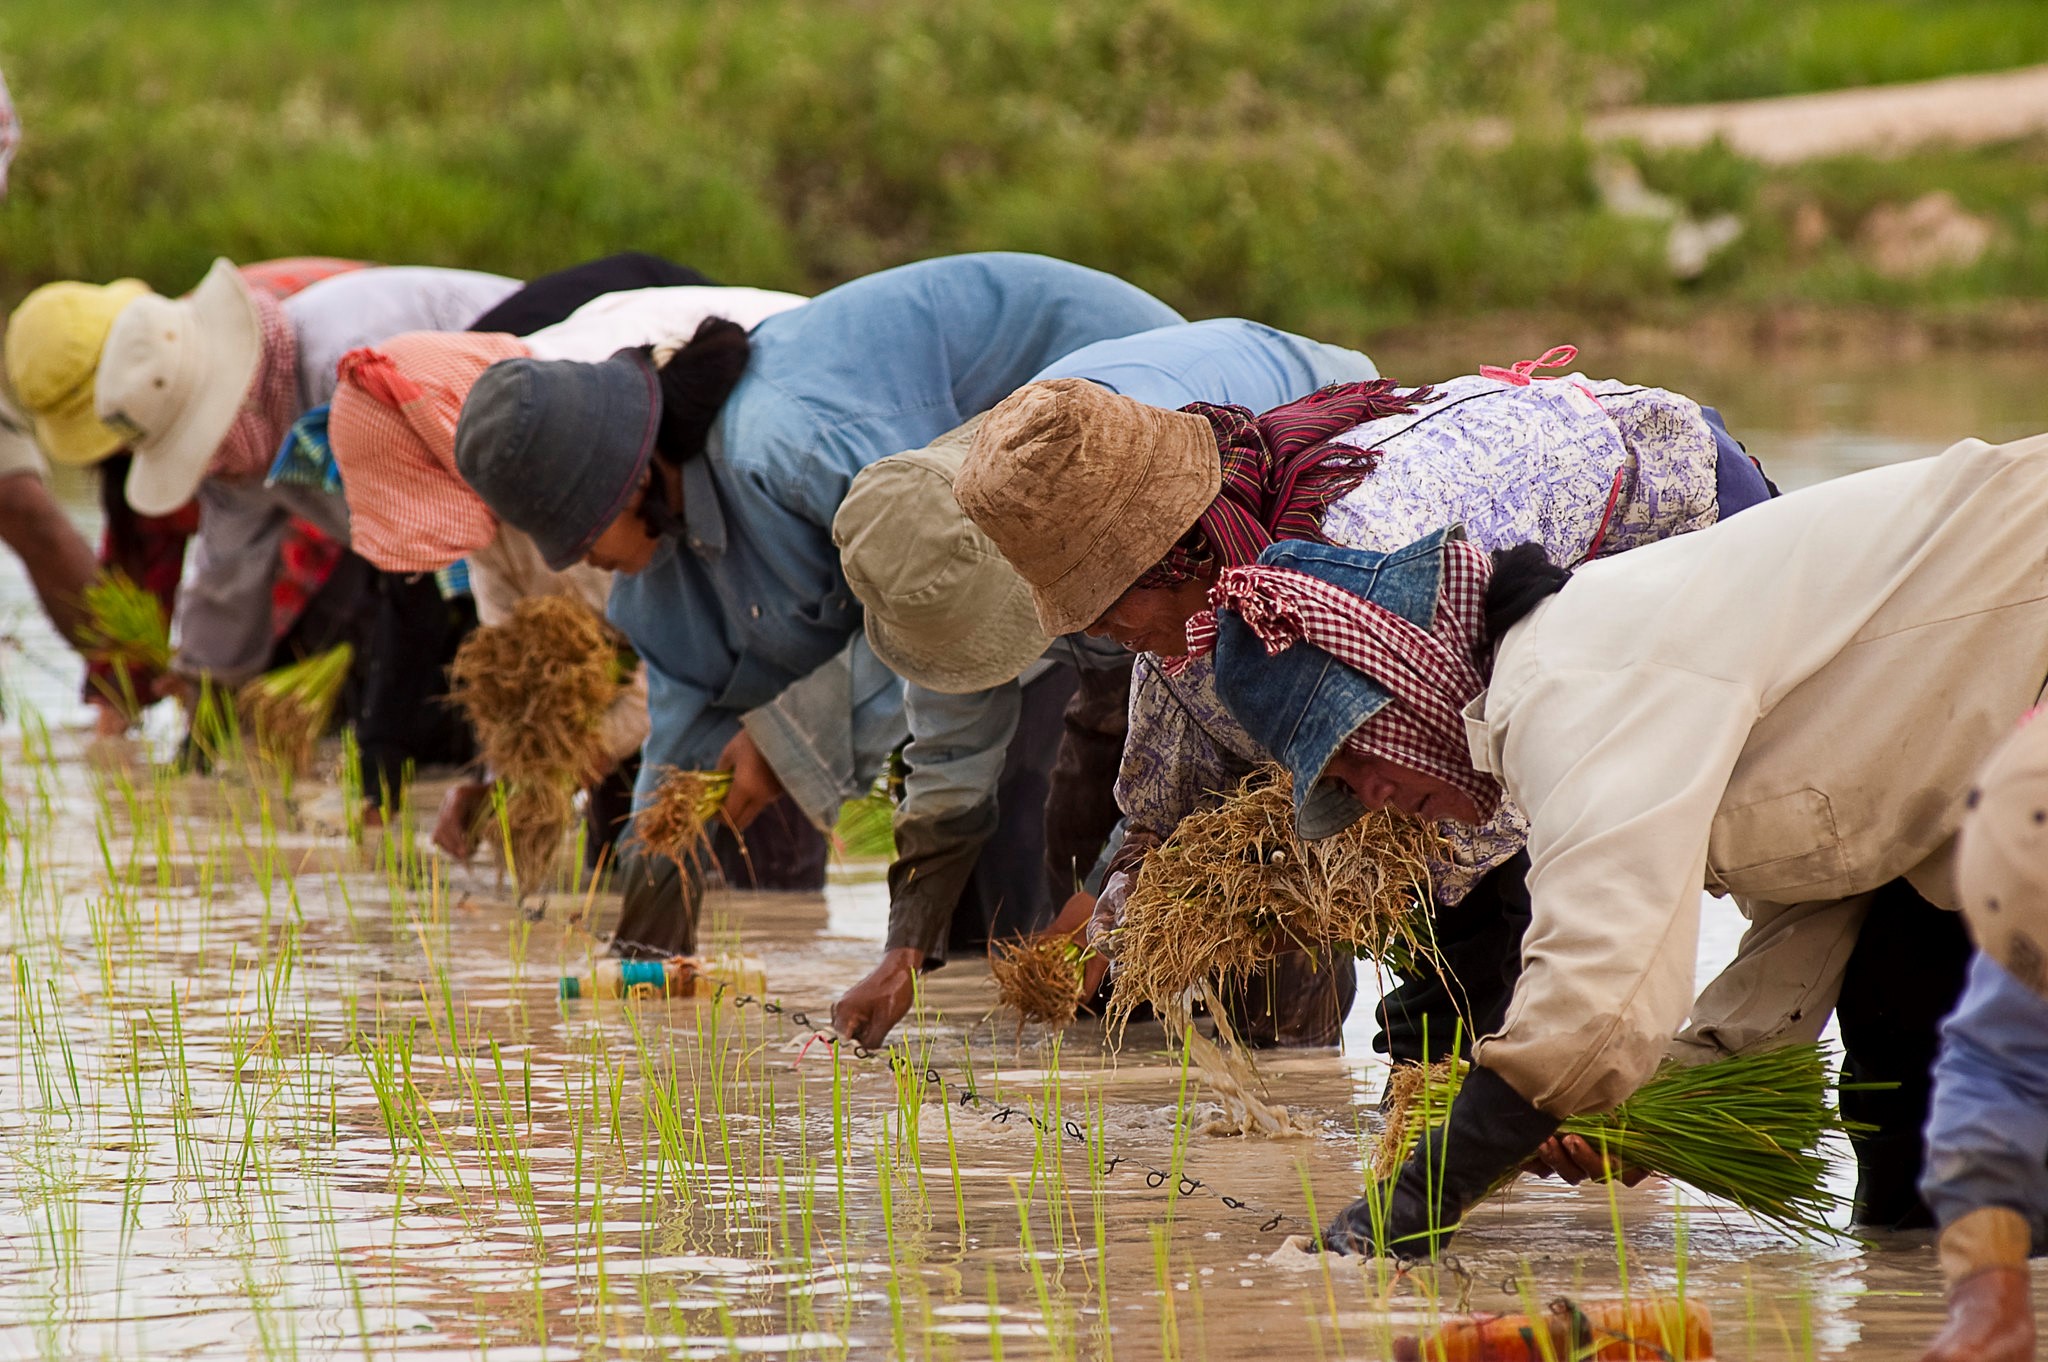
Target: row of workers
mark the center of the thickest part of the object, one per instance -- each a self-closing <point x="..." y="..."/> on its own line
<point x="907" y="514"/>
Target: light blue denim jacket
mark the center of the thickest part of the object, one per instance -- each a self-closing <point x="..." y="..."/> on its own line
<point x="1987" y="1127"/>
<point x="958" y="742"/>
<point x="750" y="598"/>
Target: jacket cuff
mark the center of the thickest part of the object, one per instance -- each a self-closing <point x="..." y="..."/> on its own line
<point x="1988" y="1237"/>
<point x="806" y="773"/>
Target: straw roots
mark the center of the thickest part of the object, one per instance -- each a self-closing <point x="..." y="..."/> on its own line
<point x="288" y="709"/>
<point x="1234" y="887"/>
<point x="675" y="819"/>
<point x="536" y="689"/>
<point x="1038" y="977"/>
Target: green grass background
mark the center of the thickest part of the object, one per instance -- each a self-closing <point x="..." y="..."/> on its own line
<point x="1306" y="162"/>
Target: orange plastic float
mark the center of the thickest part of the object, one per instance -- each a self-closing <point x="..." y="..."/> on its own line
<point x="1658" y="1330"/>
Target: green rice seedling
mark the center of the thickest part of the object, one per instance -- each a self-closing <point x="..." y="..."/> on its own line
<point x="1748" y="1129"/>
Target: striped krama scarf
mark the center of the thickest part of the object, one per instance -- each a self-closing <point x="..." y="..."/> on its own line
<point x="1430" y="673"/>
<point x="1281" y="471"/>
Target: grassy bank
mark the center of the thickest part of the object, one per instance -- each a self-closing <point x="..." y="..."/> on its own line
<point x="1303" y="161"/>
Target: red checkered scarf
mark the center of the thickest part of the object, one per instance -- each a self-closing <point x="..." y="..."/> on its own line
<point x="392" y="427"/>
<point x="272" y="404"/>
<point x="1281" y="471"/>
<point x="1432" y="674"/>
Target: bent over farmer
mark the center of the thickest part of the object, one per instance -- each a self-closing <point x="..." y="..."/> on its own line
<point x="1747" y="709"/>
<point x="710" y="484"/>
<point x="1119" y="518"/>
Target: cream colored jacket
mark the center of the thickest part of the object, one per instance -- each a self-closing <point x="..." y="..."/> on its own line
<point x="1788" y="708"/>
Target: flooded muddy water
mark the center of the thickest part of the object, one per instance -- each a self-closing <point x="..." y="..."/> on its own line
<point x="271" y="1095"/>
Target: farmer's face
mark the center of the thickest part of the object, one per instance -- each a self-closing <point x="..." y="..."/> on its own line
<point x="1154" y="619"/>
<point x="1381" y="784"/>
<point x="626" y="545"/>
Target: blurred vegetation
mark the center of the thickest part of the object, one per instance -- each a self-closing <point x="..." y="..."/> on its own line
<point x="1307" y="162"/>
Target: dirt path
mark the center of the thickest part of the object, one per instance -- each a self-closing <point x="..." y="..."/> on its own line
<point x="1877" y="120"/>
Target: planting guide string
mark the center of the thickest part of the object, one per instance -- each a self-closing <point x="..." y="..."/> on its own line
<point x="1000" y="1113"/>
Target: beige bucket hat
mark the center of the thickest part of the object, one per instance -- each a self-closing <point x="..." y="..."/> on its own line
<point x="172" y="377"/>
<point x="945" y="610"/>
<point x="54" y="341"/>
<point x="1083" y="490"/>
<point x="2002" y="856"/>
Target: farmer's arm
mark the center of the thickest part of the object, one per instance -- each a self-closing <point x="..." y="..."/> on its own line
<point x="223" y="623"/>
<point x="828" y="736"/>
<point x="1987" y="1165"/>
<point x="954" y="763"/>
<point x="1620" y="775"/>
<point x="1987" y="1128"/>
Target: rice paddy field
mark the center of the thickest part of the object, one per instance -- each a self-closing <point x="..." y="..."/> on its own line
<point x="272" y="1090"/>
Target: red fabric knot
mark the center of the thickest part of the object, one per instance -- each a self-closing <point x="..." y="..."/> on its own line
<point x="1523" y="371"/>
<point x="372" y="371"/>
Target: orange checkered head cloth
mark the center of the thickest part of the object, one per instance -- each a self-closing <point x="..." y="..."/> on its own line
<point x="393" y="430"/>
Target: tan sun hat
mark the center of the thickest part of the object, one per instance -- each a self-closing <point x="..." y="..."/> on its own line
<point x="2002" y="856"/>
<point x="1083" y="490"/>
<point x="53" y="349"/>
<point x="172" y="377"/>
<point x="945" y="610"/>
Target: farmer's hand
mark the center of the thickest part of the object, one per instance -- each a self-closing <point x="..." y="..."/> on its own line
<point x="754" y="783"/>
<point x="1990" y="1319"/>
<point x="455" y="824"/>
<point x="1072" y="925"/>
<point x="174" y="686"/>
<point x="872" y="1007"/>
<point x="1573" y="1158"/>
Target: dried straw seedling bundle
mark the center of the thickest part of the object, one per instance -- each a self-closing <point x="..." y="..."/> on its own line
<point x="676" y="819"/>
<point x="1038" y="977"/>
<point x="126" y="631"/>
<point x="289" y="708"/>
<point x="1234" y="887"/>
<point x="1747" y="1129"/>
<point x="536" y="689"/>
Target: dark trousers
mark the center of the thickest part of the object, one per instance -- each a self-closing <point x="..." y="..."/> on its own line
<point x="1441" y="1004"/>
<point x="1905" y="974"/>
<point x="409" y="634"/>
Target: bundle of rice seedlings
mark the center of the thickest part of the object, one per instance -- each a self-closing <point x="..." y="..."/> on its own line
<point x="1234" y="887"/>
<point x="866" y="829"/>
<point x="289" y="708"/>
<point x="124" y="629"/>
<point x="1747" y="1129"/>
<point x="1038" y="977"/>
<point x="536" y="689"/>
<point x="675" y="819"/>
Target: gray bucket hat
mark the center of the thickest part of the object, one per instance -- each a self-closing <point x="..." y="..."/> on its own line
<point x="559" y="448"/>
<point x="945" y="610"/>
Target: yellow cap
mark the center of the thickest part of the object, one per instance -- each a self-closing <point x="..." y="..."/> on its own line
<point x="53" y="350"/>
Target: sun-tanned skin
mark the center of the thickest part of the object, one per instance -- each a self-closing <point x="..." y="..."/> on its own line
<point x="1154" y="619"/>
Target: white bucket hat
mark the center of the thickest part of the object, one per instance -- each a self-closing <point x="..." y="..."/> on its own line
<point x="945" y="610"/>
<point x="171" y="378"/>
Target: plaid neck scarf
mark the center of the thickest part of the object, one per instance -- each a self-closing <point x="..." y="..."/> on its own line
<point x="1281" y="471"/>
<point x="272" y="404"/>
<point x="1432" y="674"/>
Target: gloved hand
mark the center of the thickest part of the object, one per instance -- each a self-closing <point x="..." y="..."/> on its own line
<point x="1990" y="1319"/>
<point x="1990" y="1309"/>
<point x="1491" y="1130"/>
